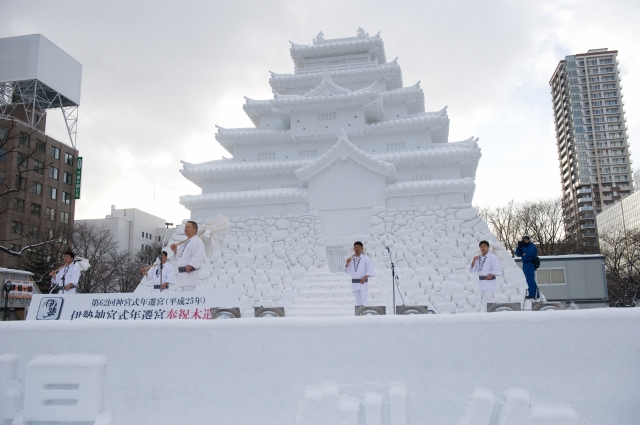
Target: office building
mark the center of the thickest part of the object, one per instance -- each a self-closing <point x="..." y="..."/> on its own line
<point x="133" y="229"/>
<point x="39" y="175"/>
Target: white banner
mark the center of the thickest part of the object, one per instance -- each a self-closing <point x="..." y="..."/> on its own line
<point x="131" y="306"/>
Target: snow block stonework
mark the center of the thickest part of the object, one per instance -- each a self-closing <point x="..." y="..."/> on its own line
<point x="282" y="261"/>
<point x="516" y="368"/>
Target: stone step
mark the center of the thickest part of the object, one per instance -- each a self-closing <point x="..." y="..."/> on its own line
<point x="322" y="313"/>
<point x="335" y="285"/>
<point x="329" y="301"/>
<point x="314" y="292"/>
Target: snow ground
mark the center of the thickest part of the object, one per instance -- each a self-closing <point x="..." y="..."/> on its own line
<point x="557" y="367"/>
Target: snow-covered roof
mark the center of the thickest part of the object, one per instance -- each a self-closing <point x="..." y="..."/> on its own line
<point x="228" y="137"/>
<point x="412" y="96"/>
<point x="339" y="47"/>
<point x="266" y="196"/>
<point x="4" y="270"/>
<point x="566" y="257"/>
<point x="442" y="153"/>
<point x="219" y="170"/>
<point x="343" y="149"/>
<point x="327" y="95"/>
<point x="427" y="187"/>
<point x="446" y="153"/>
<point x="432" y="120"/>
<point x="390" y="72"/>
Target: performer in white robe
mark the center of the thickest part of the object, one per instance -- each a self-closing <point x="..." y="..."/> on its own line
<point x="66" y="279"/>
<point x="487" y="265"/>
<point x="188" y="258"/>
<point x="360" y="268"/>
<point x="162" y="279"/>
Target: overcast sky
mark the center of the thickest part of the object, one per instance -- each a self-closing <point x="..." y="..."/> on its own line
<point x="158" y="76"/>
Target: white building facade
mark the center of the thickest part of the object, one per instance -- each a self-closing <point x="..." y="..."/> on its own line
<point x="132" y="228"/>
<point x="343" y="152"/>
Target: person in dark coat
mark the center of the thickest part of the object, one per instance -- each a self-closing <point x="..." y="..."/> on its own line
<point x="528" y="251"/>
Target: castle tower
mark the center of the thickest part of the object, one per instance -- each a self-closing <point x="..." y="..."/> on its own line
<point x="344" y="152"/>
<point x="391" y="152"/>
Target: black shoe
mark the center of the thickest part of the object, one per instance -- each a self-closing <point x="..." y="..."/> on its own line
<point x="528" y="297"/>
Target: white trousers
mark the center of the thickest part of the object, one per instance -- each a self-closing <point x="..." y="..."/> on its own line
<point x="487" y="296"/>
<point x="361" y="294"/>
<point x="189" y="281"/>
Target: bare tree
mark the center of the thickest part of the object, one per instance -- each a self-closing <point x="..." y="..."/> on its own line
<point x="542" y="220"/>
<point x="504" y="223"/>
<point x="148" y="256"/>
<point x="126" y="274"/>
<point x="622" y="262"/>
<point x="96" y="244"/>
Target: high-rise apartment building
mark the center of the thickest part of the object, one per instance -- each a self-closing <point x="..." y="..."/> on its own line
<point x="591" y="135"/>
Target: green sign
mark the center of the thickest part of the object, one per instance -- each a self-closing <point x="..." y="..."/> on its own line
<point x="78" y="176"/>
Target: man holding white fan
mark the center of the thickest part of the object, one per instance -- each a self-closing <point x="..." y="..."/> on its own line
<point x="360" y="267"/>
<point x="189" y="258"/>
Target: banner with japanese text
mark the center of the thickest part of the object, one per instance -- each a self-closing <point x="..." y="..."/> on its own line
<point x="131" y="306"/>
<point x="78" y="177"/>
<point x="19" y="288"/>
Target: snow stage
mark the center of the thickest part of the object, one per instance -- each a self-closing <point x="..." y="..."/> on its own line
<point x="518" y="368"/>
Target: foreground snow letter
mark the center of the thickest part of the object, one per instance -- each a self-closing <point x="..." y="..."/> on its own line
<point x="65" y="388"/>
<point x="324" y="404"/>
<point x="515" y="407"/>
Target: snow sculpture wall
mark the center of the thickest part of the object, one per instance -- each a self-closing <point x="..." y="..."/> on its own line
<point x="271" y="259"/>
<point x="432" y="247"/>
<point x="264" y="257"/>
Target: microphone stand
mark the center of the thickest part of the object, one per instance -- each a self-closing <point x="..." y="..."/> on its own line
<point x="161" y="248"/>
<point x="393" y="280"/>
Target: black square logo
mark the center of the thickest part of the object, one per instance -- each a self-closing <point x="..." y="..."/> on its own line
<point x="50" y="308"/>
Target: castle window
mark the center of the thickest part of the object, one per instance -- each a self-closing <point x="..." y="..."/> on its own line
<point x="266" y="155"/>
<point x="326" y="116"/>
<point x="395" y="146"/>
<point x="308" y="153"/>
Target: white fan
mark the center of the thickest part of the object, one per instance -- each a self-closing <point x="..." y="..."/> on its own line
<point x="212" y="233"/>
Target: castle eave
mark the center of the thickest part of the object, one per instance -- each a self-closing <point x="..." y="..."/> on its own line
<point x="253" y="197"/>
<point x="430" y="187"/>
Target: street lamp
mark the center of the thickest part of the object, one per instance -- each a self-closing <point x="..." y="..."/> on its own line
<point x="7" y="287"/>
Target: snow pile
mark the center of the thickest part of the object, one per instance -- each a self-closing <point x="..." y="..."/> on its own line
<point x="520" y="368"/>
<point x="282" y="261"/>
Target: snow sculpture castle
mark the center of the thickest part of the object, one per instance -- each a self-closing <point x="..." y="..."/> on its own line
<point x="342" y="152"/>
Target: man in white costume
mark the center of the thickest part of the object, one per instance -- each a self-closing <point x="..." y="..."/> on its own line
<point x="162" y="279"/>
<point x="360" y="267"/>
<point x="66" y="279"/>
<point x="189" y="258"/>
<point x="487" y="265"/>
